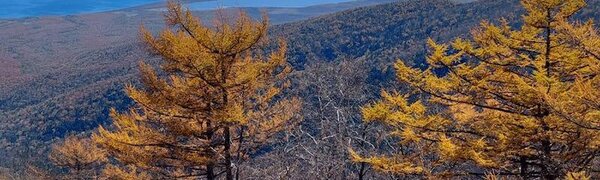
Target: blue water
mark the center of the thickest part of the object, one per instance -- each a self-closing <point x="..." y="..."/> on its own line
<point x="259" y="3"/>
<point x="28" y="8"/>
<point x="32" y="8"/>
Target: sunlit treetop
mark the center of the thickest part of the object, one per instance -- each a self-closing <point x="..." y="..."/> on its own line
<point x="517" y="102"/>
<point x="217" y="99"/>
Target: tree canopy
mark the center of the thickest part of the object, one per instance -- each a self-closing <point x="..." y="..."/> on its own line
<point x="518" y="102"/>
<point x="215" y="102"/>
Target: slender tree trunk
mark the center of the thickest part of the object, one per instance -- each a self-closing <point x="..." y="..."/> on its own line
<point x="547" y="174"/>
<point x="524" y="167"/>
<point x="546" y="144"/>
<point x="239" y="152"/>
<point x="228" y="164"/>
<point x="210" y="167"/>
<point x="363" y="166"/>
<point x="210" y="171"/>
<point x="362" y="172"/>
<point x="546" y="156"/>
<point x="227" y="131"/>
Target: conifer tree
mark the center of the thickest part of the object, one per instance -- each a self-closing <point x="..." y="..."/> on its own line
<point x="218" y="101"/>
<point x="81" y="157"/>
<point x="514" y="102"/>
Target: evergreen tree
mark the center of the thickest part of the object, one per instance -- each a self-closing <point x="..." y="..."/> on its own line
<point x="80" y="157"/>
<point x="217" y="103"/>
<point x="519" y="102"/>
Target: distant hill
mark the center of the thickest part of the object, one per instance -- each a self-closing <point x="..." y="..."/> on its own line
<point x="61" y="74"/>
<point x="72" y="69"/>
<point x="385" y="33"/>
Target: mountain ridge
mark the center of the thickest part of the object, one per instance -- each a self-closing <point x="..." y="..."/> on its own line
<point x="72" y="69"/>
<point x="378" y="34"/>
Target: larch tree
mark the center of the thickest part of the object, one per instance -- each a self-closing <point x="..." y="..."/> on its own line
<point x="79" y="156"/>
<point x="216" y="101"/>
<point x="510" y="102"/>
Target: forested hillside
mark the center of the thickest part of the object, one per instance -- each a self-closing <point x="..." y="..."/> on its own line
<point x="342" y="59"/>
<point x="387" y="32"/>
<point x="61" y="74"/>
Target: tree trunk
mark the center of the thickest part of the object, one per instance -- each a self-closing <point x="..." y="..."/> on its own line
<point x="239" y="152"/>
<point x="228" y="168"/>
<point x="210" y="172"/>
<point x="524" y="167"/>
<point x="210" y="167"/>
<point x="362" y="172"/>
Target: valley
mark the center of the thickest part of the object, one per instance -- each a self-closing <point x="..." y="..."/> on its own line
<point x="61" y="75"/>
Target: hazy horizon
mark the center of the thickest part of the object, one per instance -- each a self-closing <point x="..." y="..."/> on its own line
<point x="12" y="9"/>
<point x="33" y="8"/>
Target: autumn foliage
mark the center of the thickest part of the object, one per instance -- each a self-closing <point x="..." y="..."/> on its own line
<point x="511" y="102"/>
<point x="216" y="101"/>
<point x="507" y="103"/>
<point x="79" y="156"/>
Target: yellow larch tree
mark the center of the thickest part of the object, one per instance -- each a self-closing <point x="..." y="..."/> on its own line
<point x="216" y="100"/>
<point x="79" y="156"/>
<point x="519" y="102"/>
